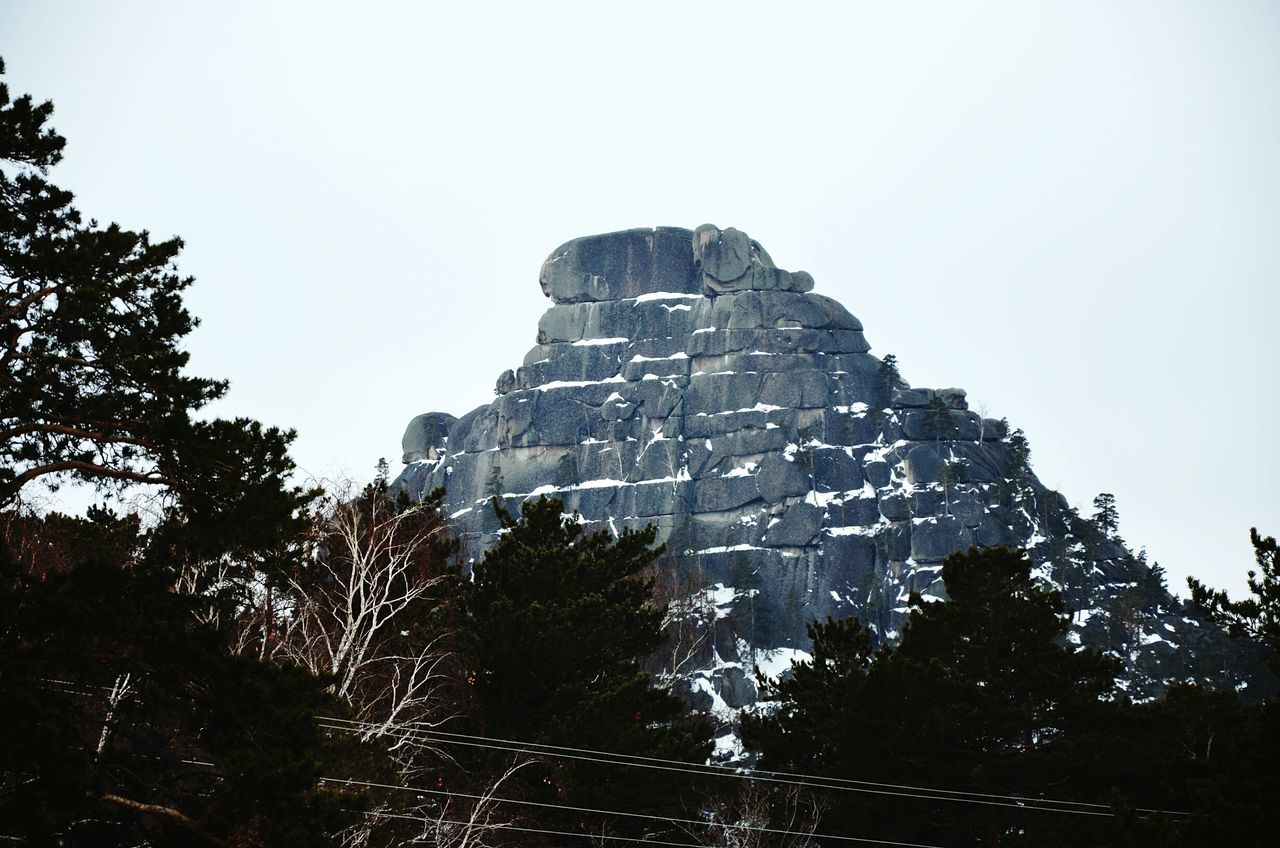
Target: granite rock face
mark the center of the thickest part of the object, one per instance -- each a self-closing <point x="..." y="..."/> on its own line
<point x="617" y="266"/>
<point x="424" y="439"/>
<point x="681" y="379"/>
<point x="731" y="262"/>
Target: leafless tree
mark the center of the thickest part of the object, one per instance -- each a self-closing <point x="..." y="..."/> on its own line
<point x="121" y="689"/>
<point x="474" y="825"/>
<point x="762" y="817"/>
<point x="455" y="821"/>
<point x="690" y="620"/>
<point x="359" y="611"/>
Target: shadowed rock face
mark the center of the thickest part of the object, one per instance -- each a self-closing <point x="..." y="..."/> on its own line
<point x="681" y="379"/>
<point x="424" y="439"/>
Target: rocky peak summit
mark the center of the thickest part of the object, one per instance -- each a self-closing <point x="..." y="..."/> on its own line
<point x="634" y="263"/>
<point x="682" y="379"/>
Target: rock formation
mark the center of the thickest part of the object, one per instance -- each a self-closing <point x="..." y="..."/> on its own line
<point x="681" y="379"/>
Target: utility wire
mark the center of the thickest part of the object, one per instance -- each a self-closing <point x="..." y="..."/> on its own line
<point x="805" y="779"/>
<point x="786" y="778"/>
<point x="645" y="816"/>
<point x="1029" y="804"/>
<point x="384" y="815"/>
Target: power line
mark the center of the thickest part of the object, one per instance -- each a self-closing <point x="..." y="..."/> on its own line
<point x="385" y="815"/>
<point x="785" y="778"/>
<point x="817" y="783"/>
<point x="645" y="816"/>
<point x="688" y="768"/>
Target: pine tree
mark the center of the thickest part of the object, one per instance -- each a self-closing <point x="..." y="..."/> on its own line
<point x="979" y="695"/>
<point x="889" y="376"/>
<point x="1018" y="474"/>
<point x="155" y="731"/>
<point x="1256" y="617"/>
<point x="940" y="421"/>
<point x="1106" y="517"/>
<point x="560" y="621"/>
<point x="952" y="474"/>
<point x="112" y="693"/>
<point x="92" y="386"/>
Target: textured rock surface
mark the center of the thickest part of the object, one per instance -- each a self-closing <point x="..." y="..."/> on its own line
<point x="729" y="262"/>
<point x="682" y="379"/>
<point x="424" y="439"/>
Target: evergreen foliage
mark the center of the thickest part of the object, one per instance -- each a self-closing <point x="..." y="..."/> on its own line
<point x="127" y="717"/>
<point x="1202" y="753"/>
<point x="91" y="364"/>
<point x="890" y="378"/>
<point x="1016" y="482"/>
<point x="560" y="624"/>
<point x="940" y="419"/>
<point x="1106" y="517"/>
<point x="127" y="720"/>
<point x="159" y="685"/>
<point x="980" y="695"/>
<point x="1257" y="617"/>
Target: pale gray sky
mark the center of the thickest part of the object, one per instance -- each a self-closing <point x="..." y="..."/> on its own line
<point x="1069" y="209"/>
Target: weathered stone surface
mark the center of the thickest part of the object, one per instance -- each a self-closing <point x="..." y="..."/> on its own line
<point x="853" y="557"/>
<point x="878" y="472"/>
<point x="855" y="512"/>
<point x="780" y="478"/>
<point x="895" y="507"/>
<point x="729" y="262"/>
<point x="953" y="425"/>
<point x="425" y="437"/>
<point x="896" y="540"/>
<point x="722" y="255"/>
<point x="737" y="689"/>
<point x="798" y="526"/>
<point x="932" y="539"/>
<point x="969" y="509"/>
<point x="992" y="533"/>
<point x="911" y="398"/>
<point x="925" y="502"/>
<point x="834" y="470"/>
<point x="682" y="380"/>
<point x="717" y="494"/>
<point x="620" y="265"/>
<point x="924" y="465"/>
<point x="994" y="429"/>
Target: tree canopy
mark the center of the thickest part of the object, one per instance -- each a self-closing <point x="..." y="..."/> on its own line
<point x="127" y="716"/>
<point x="1256" y="617"/>
<point x="92" y="385"/>
<point x="561" y="623"/>
<point x="981" y="695"/>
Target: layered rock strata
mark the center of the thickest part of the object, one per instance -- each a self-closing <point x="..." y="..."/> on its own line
<point x="681" y="379"/>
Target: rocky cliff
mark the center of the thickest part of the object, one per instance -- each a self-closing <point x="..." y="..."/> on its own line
<point x="681" y="378"/>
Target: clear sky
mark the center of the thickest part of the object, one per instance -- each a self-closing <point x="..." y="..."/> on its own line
<point x="1072" y="210"/>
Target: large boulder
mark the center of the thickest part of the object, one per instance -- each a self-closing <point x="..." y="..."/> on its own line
<point x="621" y="265"/>
<point x="731" y="262"/>
<point x="425" y="437"/>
